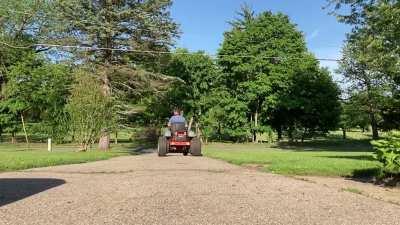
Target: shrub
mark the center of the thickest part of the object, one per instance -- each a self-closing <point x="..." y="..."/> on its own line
<point x="387" y="151"/>
<point x="89" y="108"/>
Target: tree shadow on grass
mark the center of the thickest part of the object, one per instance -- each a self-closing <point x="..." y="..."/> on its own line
<point x="354" y="157"/>
<point x="139" y="148"/>
<point x="329" y="145"/>
<point x="366" y="174"/>
<point x="376" y="176"/>
<point x="12" y="190"/>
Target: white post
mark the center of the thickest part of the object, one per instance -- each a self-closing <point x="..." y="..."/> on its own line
<point x="49" y="147"/>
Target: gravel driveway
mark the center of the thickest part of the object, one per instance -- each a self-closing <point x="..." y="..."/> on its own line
<point x="177" y="190"/>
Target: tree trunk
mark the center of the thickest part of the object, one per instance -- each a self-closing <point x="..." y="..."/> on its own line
<point x="290" y="134"/>
<point x="279" y="130"/>
<point x="190" y="124"/>
<point x="84" y="147"/>
<point x="24" y="128"/>
<point x="255" y="138"/>
<point x="13" y="138"/>
<point x="372" y="110"/>
<point x="219" y="131"/>
<point x="344" y="133"/>
<point x="104" y="142"/>
<point x="116" y="137"/>
<point x="374" y="126"/>
<point x="197" y="130"/>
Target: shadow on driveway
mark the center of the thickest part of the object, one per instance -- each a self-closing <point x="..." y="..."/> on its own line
<point x="12" y="190"/>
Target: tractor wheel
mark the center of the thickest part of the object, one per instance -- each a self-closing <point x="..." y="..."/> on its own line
<point x="195" y="147"/>
<point x="162" y="146"/>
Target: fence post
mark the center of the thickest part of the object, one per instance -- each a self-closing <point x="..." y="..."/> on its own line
<point x="49" y="145"/>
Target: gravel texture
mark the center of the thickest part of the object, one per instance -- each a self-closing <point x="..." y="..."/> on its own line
<point x="147" y="189"/>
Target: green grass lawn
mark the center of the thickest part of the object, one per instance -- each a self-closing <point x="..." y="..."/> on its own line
<point x="325" y="157"/>
<point x="19" y="157"/>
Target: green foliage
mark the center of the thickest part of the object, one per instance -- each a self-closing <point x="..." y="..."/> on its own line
<point x="89" y="108"/>
<point x="195" y="76"/>
<point x="131" y="24"/>
<point x="258" y="81"/>
<point x="24" y="18"/>
<point x="314" y="99"/>
<point x="366" y="86"/>
<point x="390" y="113"/>
<point x="378" y="21"/>
<point x="281" y="80"/>
<point x="125" y="24"/>
<point x="264" y="36"/>
<point x="371" y="57"/>
<point x="353" y="116"/>
<point x="39" y="91"/>
<point x="225" y="118"/>
<point x="199" y="75"/>
<point x="388" y="153"/>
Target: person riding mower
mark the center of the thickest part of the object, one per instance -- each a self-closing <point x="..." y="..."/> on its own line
<point x="178" y="138"/>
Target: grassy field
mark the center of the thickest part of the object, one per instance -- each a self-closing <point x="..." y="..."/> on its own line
<point x="330" y="156"/>
<point x="18" y="157"/>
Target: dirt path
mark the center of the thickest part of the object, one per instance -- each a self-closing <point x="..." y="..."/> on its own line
<point x="177" y="190"/>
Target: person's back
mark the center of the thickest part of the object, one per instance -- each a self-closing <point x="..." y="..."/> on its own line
<point x="177" y="118"/>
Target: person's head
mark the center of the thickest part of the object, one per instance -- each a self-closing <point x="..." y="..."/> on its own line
<point x="177" y="112"/>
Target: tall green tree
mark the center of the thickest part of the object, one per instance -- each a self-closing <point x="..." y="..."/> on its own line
<point x="378" y="20"/>
<point x="108" y="24"/>
<point x="375" y="24"/>
<point x="87" y="106"/>
<point x="225" y="117"/>
<point x="198" y="74"/>
<point x="124" y="24"/>
<point x="36" y="91"/>
<point x="368" y="84"/>
<point x="260" y="57"/>
<point x="312" y="103"/>
<point x="352" y="116"/>
<point x="22" y="23"/>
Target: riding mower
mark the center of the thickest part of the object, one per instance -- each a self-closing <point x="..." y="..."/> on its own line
<point x="179" y="139"/>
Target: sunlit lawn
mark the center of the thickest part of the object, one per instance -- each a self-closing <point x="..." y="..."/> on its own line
<point x="329" y="156"/>
<point x="20" y="156"/>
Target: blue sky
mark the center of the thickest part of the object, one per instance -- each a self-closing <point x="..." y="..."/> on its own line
<point x="204" y="21"/>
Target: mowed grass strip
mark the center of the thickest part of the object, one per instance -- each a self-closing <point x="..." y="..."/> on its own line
<point x="19" y="157"/>
<point x="297" y="162"/>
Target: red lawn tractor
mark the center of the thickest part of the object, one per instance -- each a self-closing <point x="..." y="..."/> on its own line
<point x="179" y="139"/>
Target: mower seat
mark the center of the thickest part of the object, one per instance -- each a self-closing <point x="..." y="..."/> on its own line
<point x="178" y="127"/>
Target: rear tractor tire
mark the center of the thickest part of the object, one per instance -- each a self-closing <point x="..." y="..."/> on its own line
<point x="162" y="147"/>
<point x="195" y="147"/>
